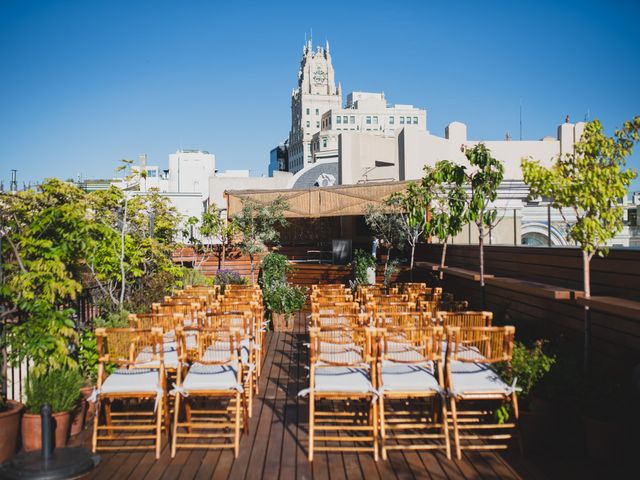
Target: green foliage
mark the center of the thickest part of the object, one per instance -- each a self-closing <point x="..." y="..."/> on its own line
<point x="447" y="207"/>
<point x="88" y="357"/>
<point x="59" y="387"/>
<point x="589" y="182"/>
<point x="226" y="277"/>
<point x="118" y="319"/>
<point x="191" y="276"/>
<point x="219" y="234"/>
<point x="361" y="262"/>
<point x="485" y="179"/>
<point x="274" y="269"/>
<point x="283" y="298"/>
<point x="386" y="225"/>
<point x="258" y="225"/>
<point x="529" y="366"/>
<point x="393" y="266"/>
<point x="412" y="206"/>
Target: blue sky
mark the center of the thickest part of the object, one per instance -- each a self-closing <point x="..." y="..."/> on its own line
<point x="86" y="83"/>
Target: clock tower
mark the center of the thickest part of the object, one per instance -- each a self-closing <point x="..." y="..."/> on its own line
<point x="315" y="94"/>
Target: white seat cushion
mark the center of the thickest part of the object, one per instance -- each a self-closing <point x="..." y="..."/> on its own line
<point x="408" y="378"/>
<point x="210" y="377"/>
<point x="476" y="378"/>
<point x="343" y="379"/>
<point x="131" y="381"/>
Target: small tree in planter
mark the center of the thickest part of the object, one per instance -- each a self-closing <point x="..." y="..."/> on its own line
<point x="484" y="179"/>
<point x="447" y="208"/>
<point x="590" y="182"/>
<point x="386" y="226"/>
<point x="362" y="262"/>
<point x="283" y="301"/>
<point x="258" y="226"/>
<point x="412" y="206"/>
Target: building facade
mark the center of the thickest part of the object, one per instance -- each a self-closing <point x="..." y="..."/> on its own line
<point x="315" y="94"/>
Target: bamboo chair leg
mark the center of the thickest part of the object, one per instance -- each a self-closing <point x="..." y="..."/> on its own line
<point x="237" y="428"/>
<point x="159" y="416"/>
<point x="445" y="424"/>
<point x="187" y="413"/>
<point x="516" y="414"/>
<point x="107" y="413"/>
<point x="374" y="411"/>
<point x="174" y="433"/>
<point x="312" y="420"/>
<point x="456" y="433"/>
<point x="94" y="436"/>
<point x="383" y="428"/>
<point x="167" y="422"/>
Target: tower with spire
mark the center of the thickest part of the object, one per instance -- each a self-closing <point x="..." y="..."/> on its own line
<point x="316" y="92"/>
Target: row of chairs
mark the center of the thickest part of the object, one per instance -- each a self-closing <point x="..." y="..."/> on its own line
<point x="207" y="345"/>
<point x="396" y="380"/>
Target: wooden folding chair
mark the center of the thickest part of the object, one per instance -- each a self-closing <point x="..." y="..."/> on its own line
<point x="402" y="320"/>
<point x="138" y="358"/>
<point x="379" y="308"/>
<point x="342" y="369"/>
<point x="339" y="320"/>
<point x="432" y="307"/>
<point x="464" y="319"/>
<point x="191" y="311"/>
<point x="471" y="354"/>
<point x="216" y="373"/>
<point x="329" y="308"/>
<point x="413" y="407"/>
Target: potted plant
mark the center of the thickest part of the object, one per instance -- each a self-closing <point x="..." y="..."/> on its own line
<point x="283" y="300"/>
<point x="361" y="264"/>
<point x="58" y="387"/>
<point x="10" y="413"/>
<point x="88" y="363"/>
<point x="528" y="367"/>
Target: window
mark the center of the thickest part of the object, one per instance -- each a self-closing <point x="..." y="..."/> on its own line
<point x="368" y="120"/>
<point x="352" y="119"/>
<point x="415" y="120"/>
<point x="392" y="120"/>
<point x="324" y="142"/>
<point x="318" y="124"/>
<point x="308" y="124"/>
<point x="344" y="119"/>
<point x="307" y="111"/>
<point x="401" y="121"/>
<point x="375" y="120"/>
<point x="338" y="119"/>
<point x="317" y="112"/>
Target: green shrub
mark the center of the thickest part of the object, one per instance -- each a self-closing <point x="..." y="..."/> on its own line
<point x="229" y="277"/>
<point x="283" y="298"/>
<point x="529" y="366"/>
<point x="274" y="269"/>
<point x="118" y="319"/>
<point x="191" y="276"/>
<point x="361" y="262"/>
<point x="88" y="357"/>
<point x="60" y="388"/>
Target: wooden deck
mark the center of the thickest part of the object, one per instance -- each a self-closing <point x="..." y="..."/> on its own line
<point x="277" y="444"/>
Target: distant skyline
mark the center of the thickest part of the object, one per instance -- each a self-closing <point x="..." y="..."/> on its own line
<point x="84" y="84"/>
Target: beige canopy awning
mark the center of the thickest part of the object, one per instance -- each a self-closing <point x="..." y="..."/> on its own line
<point x="319" y="201"/>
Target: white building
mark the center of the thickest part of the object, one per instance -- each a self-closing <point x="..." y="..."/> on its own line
<point x="315" y="94"/>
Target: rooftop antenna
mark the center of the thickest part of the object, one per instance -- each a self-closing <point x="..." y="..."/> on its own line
<point x="521" y="119"/>
<point x="13" y="188"/>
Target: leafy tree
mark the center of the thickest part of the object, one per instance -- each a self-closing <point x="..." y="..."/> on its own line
<point x="219" y="234"/>
<point x="258" y="225"/>
<point x="447" y="208"/>
<point x="43" y="234"/>
<point x="484" y="178"/>
<point x="589" y="182"/>
<point x="412" y="206"/>
<point x="386" y="226"/>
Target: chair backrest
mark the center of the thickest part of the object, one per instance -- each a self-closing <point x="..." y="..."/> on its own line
<point x="394" y="307"/>
<point x="412" y="344"/>
<point x="327" y="298"/>
<point x="235" y="320"/>
<point x="211" y="346"/>
<point x="338" y="320"/>
<point x="431" y="306"/>
<point x="464" y="319"/>
<point x="327" y="286"/>
<point x="167" y="322"/>
<point x="403" y="320"/>
<point x="480" y="344"/>
<point x="128" y="347"/>
<point x="329" y="308"/>
<point x="393" y="298"/>
<point x="341" y="346"/>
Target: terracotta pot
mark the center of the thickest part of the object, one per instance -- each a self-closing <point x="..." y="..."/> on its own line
<point x="81" y="416"/>
<point x="282" y="322"/>
<point x="90" y="409"/>
<point x="9" y="423"/>
<point x="32" y="430"/>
